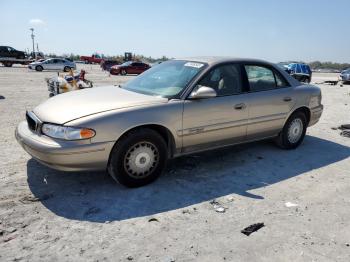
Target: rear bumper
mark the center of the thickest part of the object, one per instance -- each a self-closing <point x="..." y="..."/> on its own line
<point x="316" y="113"/>
<point x="64" y="155"/>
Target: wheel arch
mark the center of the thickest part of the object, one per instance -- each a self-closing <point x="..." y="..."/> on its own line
<point x="163" y="131"/>
<point x="303" y="109"/>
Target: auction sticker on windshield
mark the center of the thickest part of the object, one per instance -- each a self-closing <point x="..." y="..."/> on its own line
<point x="193" y="64"/>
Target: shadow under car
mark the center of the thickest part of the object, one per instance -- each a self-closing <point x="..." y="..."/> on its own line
<point x="189" y="180"/>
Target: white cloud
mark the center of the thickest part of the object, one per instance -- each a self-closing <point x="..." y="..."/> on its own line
<point x="36" y="21"/>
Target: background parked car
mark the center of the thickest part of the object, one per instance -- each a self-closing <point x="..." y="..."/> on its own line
<point x="7" y="51"/>
<point x="345" y="75"/>
<point x="94" y="59"/>
<point x="301" y="72"/>
<point x="53" y="64"/>
<point x="107" y="64"/>
<point x="129" y="67"/>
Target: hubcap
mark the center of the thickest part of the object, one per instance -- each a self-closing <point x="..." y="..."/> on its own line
<point x="295" y="130"/>
<point x="141" y="160"/>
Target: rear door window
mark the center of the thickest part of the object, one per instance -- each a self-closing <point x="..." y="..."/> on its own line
<point x="261" y="78"/>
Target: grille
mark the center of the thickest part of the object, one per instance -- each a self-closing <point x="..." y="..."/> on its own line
<point x="31" y="122"/>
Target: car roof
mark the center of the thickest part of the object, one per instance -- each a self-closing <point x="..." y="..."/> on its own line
<point x="214" y="60"/>
<point x="220" y="59"/>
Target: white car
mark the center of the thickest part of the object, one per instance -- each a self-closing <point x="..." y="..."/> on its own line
<point x="56" y="64"/>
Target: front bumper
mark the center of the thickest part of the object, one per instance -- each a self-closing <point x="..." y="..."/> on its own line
<point x="316" y="113"/>
<point x="114" y="71"/>
<point x="64" y="155"/>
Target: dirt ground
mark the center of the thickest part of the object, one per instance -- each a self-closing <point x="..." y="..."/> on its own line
<point x="47" y="215"/>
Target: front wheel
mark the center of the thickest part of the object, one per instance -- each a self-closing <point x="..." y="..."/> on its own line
<point x="138" y="158"/>
<point x="39" y="68"/>
<point x="293" y="132"/>
<point x="123" y="72"/>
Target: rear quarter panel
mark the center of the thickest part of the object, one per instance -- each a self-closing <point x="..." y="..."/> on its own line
<point x="308" y="96"/>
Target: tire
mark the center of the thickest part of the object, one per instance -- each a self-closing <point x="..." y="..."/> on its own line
<point x="123" y="72"/>
<point x="66" y="69"/>
<point x="7" y="64"/>
<point x="293" y="132"/>
<point x="39" y="68"/>
<point x="307" y="80"/>
<point x="138" y="158"/>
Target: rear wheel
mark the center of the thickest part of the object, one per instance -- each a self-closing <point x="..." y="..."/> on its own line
<point x="66" y="68"/>
<point x="138" y="158"/>
<point x="39" y="68"/>
<point x="293" y="132"/>
<point x="7" y="64"/>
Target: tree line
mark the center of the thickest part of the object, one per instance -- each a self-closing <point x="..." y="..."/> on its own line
<point x="119" y="58"/>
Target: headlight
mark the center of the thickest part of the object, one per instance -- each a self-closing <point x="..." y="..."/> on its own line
<point x="66" y="132"/>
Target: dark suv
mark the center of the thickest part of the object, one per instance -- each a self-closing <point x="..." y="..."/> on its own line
<point x="7" y="51"/>
<point x="301" y="72"/>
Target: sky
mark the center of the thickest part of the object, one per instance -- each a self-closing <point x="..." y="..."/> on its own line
<point x="274" y="30"/>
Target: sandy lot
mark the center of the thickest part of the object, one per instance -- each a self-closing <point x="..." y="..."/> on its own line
<point x="46" y="215"/>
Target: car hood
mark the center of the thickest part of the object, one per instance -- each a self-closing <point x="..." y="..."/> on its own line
<point x="76" y="104"/>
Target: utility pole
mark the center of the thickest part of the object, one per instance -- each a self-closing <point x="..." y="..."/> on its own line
<point x="32" y="35"/>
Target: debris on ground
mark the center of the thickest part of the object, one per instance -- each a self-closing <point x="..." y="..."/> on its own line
<point x="9" y="239"/>
<point x="328" y="82"/>
<point x="11" y="230"/>
<point x="92" y="210"/>
<point x="346" y="130"/>
<point x="31" y="199"/>
<point x="153" y="220"/>
<point x="290" y="204"/>
<point x="252" y="228"/>
<point x="230" y="199"/>
<point x="217" y="206"/>
<point x="2" y="97"/>
<point x="345" y="133"/>
<point x="129" y="258"/>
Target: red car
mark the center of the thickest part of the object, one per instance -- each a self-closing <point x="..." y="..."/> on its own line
<point x="129" y="68"/>
<point x="94" y="59"/>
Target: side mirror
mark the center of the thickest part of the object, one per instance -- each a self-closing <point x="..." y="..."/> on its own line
<point x="203" y="92"/>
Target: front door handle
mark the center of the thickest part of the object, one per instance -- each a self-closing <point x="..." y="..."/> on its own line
<point x="287" y="99"/>
<point x="240" y="106"/>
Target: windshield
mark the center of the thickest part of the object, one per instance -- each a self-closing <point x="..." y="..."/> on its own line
<point x="126" y="63"/>
<point x="167" y="79"/>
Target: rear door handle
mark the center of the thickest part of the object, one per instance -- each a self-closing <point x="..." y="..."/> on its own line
<point x="240" y="106"/>
<point x="287" y="99"/>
